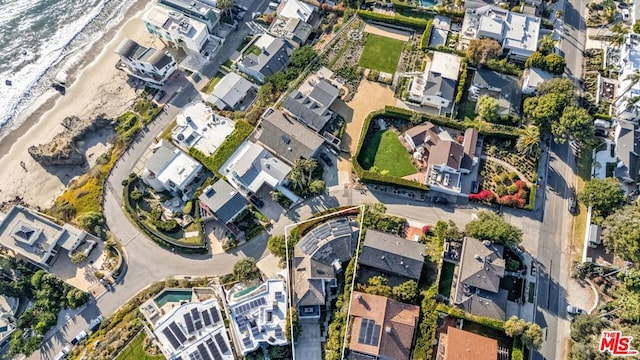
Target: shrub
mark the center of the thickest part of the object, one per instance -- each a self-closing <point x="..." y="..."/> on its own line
<point x="426" y="36"/>
<point x="512" y="189"/>
<point x="513" y="175"/>
<point x="78" y="257"/>
<point x="241" y="131"/>
<point x="397" y="19"/>
<point x="188" y="207"/>
<point x="501" y="190"/>
<point x="484" y="195"/>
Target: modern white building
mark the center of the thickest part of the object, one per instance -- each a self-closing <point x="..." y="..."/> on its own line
<point x="251" y="167"/>
<point x="203" y="11"/>
<point x="36" y="238"/>
<point x="147" y="64"/>
<point x="199" y="127"/>
<point x="628" y="91"/>
<point x="190" y="329"/>
<point x="169" y="169"/>
<point x="517" y="33"/>
<point x="259" y="317"/>
<point x="175" y="27"/>
<point x="296" y="9"/>
<point x="436" y="87"/>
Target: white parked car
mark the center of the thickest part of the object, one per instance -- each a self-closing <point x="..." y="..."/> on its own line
<point x="574" y="310"/>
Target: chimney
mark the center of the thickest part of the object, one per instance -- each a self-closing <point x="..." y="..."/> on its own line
<point x="387" y="329"/>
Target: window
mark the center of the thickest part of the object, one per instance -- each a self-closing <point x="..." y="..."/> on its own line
<point x="308" y="310"/>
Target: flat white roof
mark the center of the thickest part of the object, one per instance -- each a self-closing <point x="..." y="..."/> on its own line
<point x="259" y="317"/>
<point x="296" y="9"/>
<point x="253" y="165"/>
<point x="179" y="170"/>
<point x="448" y="65"/>
<point x="198" y="126"/>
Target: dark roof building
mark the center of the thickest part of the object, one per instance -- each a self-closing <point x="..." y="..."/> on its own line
<point x="287" y="138"/>
<point x="381" y="327"/>
<point x="392" y="256"/>
<point x="478" y="286"/>
<point x="224" y="201"/>
<point x="317" y="258"/>
<point x="504" y="88"/>
<point x="233" y="92"/>
<point x="273" y="57"/>
<point x="627" y="150"/>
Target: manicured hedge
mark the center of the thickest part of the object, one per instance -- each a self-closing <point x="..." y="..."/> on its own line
<point x="462" y="82"/>
<point x="487" y="129"/>
<point x="374" y="177"/>
<point x="482" y="320"/>
<point x="426" y="36"/>
<point x="397" y="19"/>
<point x="225" y="150"/>
<point x="516" y="350"/>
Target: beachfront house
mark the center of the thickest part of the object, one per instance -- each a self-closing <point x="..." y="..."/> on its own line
<point x="299" y="10"/>
<point x="628" y="91"/>
<point x="147" y="64"/>
<point x="169" y="169"/>
<point x="233" y="92"/>
<point x="197" y="126"/>
<point x="436" y="87"/>
<point x="295" y="31"/>
<point x="517" y="33"/>
<point x="202" y="11"/>
<point x="266" y="56"/>
<point x="36" y="238"/>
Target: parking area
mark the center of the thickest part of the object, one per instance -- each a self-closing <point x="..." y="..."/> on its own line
<point x="271" y="209"/>
<point x="82" y="276"/>
<point x="215" y="233"/>
<point x="330" y="173"/>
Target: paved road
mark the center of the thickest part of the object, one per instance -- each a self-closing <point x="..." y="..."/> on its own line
<point x="573" y="37"/>
<point x="554" y="254"/>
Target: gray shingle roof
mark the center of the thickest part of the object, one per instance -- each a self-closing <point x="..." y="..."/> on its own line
<point x="324" y="93"/>
<point x="130" y="49"/>
<point x="160" y="158"/>
<point x="307" y="110"/>
<point x="440" y="86"/>
<point x="231" y="89"/>
<point x="271" y="60"/>
<point x="159" y="59"/>
<point x="487" y="304"/>
<point x="392" y="255"/>
<point x="510" y="91"/>
<point x="289" y="139"/>
<point x="627" y="150"/>
<point x="223" y="200"/>
<point x="485" y="273"/>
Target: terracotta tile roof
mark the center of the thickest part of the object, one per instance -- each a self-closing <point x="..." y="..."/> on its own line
<point x="464" y="345"/>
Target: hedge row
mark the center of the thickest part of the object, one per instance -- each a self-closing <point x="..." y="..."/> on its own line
<point x="374" y="177"/>
<point x="487" y="129"/>
<point x="462" y="82"/>
<point x="225" y="150"/>
<point x="482" y="320"/>
<point x="397" y="19"/>
<point x="426" y="336"/>
<point x="426" y="36"/>
<point x="516" y="350"/>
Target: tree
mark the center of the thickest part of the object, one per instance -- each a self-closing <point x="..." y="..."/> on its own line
<point x="302" y="57"/>
<point x="76" y="298"/>
<point x="532" y="336"/>
<point x="377" y="285"/>
<point x="78" y="257"/>
<point x="317" y="186"/>
<point x="528" y="143"/>
<point x="277" y="246"/>
<point x="619" y="34"/>
<point x="585" y="326"/>
<point x="276" y="195"/>
<point x="514" y="326"/>
<point x="576" y="123"/>
<point x="89" y="221"/>
<point x="225" y="6"/>
<point x="480" y="51"/>
<point x="622" y="233"/>
<point x="636" y="27"/>
<point x="406" y="292"/>
<point x="292" y="319"/>
<point x="559" y="86"/>
<point x="554" y="64"/>
<point x="546" y="44"/>
<point x="535" y="60"/>
<point x="36" y="279"/>
<point x="246" y="269"/>
<point x="487" y="108"/>
<point x="542" y="110"/>
<point x="604" y="195"/>
<point x="492" y="227"/>
<point x="136" y="195"/>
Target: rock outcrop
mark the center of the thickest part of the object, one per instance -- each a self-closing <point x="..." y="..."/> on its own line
<point x="62" y="149"/>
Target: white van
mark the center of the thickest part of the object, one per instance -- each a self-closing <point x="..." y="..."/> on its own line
<point x="273" y="5"/>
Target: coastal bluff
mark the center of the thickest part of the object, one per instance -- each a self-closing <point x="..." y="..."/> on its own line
<point x="63" y="149"/>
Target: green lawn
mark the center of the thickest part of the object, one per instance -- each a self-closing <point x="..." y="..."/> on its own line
<point x="381" y="53"/>
<point x="446" y="278"/>
<point x="466" y="109"/>
<point x="134" y="350"/>
<point x="384" y="151"/>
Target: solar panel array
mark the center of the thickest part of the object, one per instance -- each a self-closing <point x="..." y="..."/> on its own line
<point x="172" y="339"/>
<point x="246" y="342"/>
<point x="206" y="318"/>
<point x="337" y="228"/>
<point x="255" y="332"/>
<point x="213" y="349"/>
<point x="176" y="330"/>
<point x="279" y="296"/>
<point x="369" y="332"/>
<point x="250" y="305"/>
<point x="189" y="322"/>
<point x="221" y="344"/>
<point x="214" y="314"/>
<point x="203" y="352"/>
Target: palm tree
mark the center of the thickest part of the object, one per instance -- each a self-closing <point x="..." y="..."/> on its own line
<point x="619" y="34"/>
<point x="225" y="6"/>
<point x="635" y="79"/>
<point x="296" y="177"/>
<point x="309" y="165"/>
<point x="528" y="143"/>
<point x="547" y="44"/>
<point x="558" y="15"/>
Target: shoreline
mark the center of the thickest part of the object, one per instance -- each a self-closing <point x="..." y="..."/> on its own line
<point x="96" y="86"/>
<point x="35" y="113"/>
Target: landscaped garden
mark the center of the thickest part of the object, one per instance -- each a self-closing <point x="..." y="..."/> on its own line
<point x="138" y="349"/>
<point x="381" y="53"/>
<point x="501" y="186"/>
<point x="163" y="214"/>
<point x="383" y="152"/>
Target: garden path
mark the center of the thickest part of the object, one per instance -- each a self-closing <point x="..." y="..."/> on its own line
<point x="509" y="167"/>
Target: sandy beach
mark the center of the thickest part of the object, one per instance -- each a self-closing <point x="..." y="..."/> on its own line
<point x="96" y="87"/>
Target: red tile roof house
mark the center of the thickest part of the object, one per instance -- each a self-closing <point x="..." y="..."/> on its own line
<point x="381" y="328"/>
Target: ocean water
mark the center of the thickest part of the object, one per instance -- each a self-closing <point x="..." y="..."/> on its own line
<point x="40" y="38"/>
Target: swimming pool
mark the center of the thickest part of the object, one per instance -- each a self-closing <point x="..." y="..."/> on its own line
<point x="168" y="296"/>
<point x="244" y="292"/>
<point x="427" y="3"/>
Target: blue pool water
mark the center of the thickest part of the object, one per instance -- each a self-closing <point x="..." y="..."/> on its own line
<point x="168" y="296"/>
<point x="427" y="3"/>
